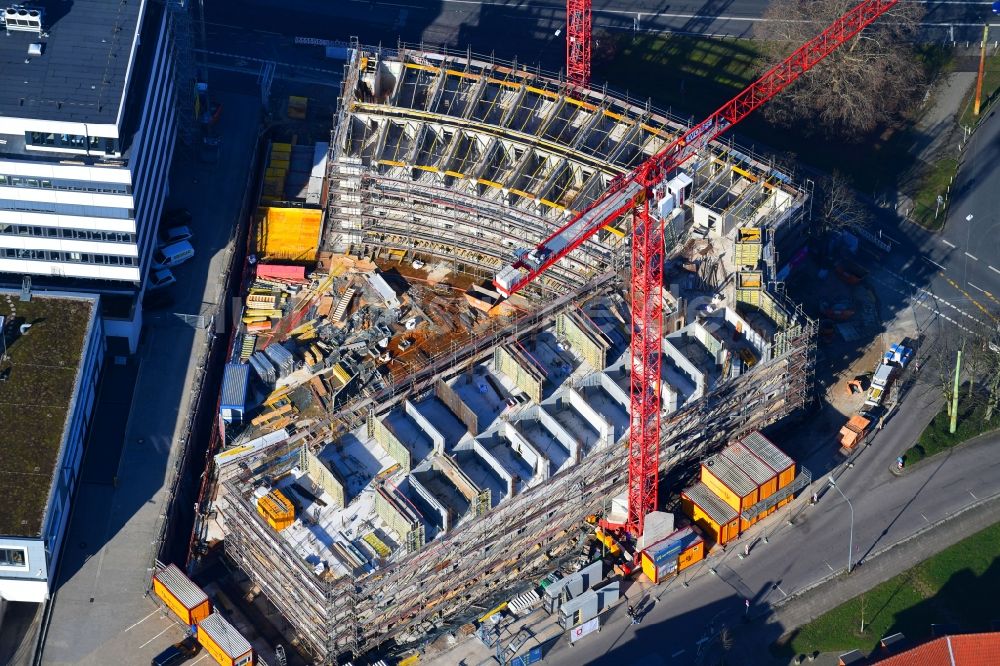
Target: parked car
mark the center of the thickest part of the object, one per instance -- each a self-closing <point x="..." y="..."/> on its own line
<point x="170" y="235"/>
<point x="177" y="653"/>
<point x="172" y="255"/>
<point x="175" y="217"/>
<point x="158" y="279"/>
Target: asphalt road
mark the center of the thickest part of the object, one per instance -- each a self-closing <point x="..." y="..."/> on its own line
<point x="526" y="29"/>
<point x="957" y="271"/>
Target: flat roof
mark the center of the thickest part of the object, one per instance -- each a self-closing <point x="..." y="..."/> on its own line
<point x="35" y="400"/>
<point x="710" y="503"/>
<point x="225" y="635"/>
<point x="81" y="74"/>
<point x="767" y="451"/>
<point x="725" y="470"/>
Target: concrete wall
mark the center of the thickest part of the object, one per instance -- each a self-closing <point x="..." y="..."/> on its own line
<point x="605" y="431"/>
<point x="454" y="402"/>
<point x="437" y="439"/>
<point x="325" y="478"/>
<point x="495" y="465"/>
<point x="388" y="441"/>
<point x="509" y="366"/>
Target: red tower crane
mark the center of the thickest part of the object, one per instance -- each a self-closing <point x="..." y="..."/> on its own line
<point x="578" y="42"/>
<point x="633" y="191"/>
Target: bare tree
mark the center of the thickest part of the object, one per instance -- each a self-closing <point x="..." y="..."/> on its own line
<point x="838" y="207"/>
<point x="862" y="85"/>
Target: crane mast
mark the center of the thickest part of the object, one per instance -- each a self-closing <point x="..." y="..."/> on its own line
<point x="634" y="192"/>
<point x="578" y="27"/>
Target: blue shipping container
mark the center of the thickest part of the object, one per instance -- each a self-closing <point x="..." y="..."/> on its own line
<point x="235" y="383"/>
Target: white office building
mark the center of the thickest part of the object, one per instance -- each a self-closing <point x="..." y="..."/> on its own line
<point x="87" y="129"/>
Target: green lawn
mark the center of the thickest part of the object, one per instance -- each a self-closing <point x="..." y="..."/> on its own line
<point x="936" y="180"/>
<point x="690" y="75"/>
<point x="959" y="585"/>
<point x="693" y="76"/>
<point x="936" y="436"/>
<point x="991" y="89"/>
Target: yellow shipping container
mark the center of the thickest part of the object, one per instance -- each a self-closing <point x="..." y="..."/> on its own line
<point x="221" y="640"/>
<point x="729" y="482"/>
<point x="718" y="520"/>
<point x="188" y="601"/>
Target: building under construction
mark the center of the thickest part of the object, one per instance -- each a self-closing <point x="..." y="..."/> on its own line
<point x="412" y="507"/>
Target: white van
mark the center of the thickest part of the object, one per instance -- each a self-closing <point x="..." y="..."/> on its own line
<point x="175" y="234"/>
<point x="172" y="255"/>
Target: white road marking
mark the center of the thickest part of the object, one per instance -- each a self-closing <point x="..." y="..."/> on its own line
<point x="975" y="287"/>
<point x="948" y="243"/>
<point x="200" y="658"/>
<point x="973" y="495"/>
<point x="828" y="565"/>
<point x="781" y="590"/>
<point x="677" y="654"/>
<point x="156" y="636"/>
<point x="925" y="517"/>
<point x="994" y="270"/>
<point x="937" y="264"/>
<point x="142" y="620"/>
<point x="971" y="257"/>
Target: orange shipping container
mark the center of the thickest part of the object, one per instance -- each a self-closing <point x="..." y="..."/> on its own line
<point x="221" y="640"/>
<point x="730" y="483"/>
<point x="772" y="455"/>
<point x="718" y="520"/>
<point x="188" y="601"/>
<point x="759" y="472"/>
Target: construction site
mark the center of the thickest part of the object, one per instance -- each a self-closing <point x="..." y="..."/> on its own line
<point x="406" y="443"/>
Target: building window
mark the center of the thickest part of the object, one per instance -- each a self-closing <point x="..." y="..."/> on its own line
<point x="13" y="557"/>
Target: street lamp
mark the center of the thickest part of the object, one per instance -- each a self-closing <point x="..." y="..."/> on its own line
<point x="850" y="543"/>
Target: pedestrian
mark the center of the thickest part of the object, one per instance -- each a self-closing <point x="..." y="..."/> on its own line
<point x="746" y="550"/>
<point x="815" y="498"/>
<point x="632" y="616"/>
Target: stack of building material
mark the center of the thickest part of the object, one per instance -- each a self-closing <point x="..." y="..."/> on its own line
<point x="277" y="171"/>
<point x="282" y="359"/>
<point x="342" y="305"/>
<point x="263" y="368"/>
<point x="276" y="509"/>
<point x="247" y="346"/>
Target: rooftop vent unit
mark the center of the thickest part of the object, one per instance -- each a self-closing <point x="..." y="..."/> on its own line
<point x="21" y="19"/>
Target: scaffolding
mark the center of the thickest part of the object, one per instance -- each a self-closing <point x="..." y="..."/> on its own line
<point x="457" y="159"/>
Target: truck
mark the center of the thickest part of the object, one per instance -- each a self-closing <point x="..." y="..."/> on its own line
<point x="893" y="362"/>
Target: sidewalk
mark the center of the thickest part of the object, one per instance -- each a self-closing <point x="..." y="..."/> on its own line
<point x="809" y="604"/>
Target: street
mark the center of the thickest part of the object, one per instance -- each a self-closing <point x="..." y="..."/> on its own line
<point x="526" y="29"/>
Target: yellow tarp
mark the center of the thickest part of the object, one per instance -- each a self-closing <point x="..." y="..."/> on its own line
<point x="291" y="234"/>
